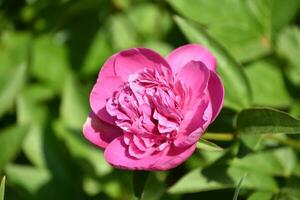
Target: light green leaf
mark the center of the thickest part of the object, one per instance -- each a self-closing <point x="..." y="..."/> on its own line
<point x="74" y="106"/>
<point x="156" y="21"/>
<point x="2" y="188"/>
<point x="29" y="178"/>
<point x="265" y="121"/>
<point x="238" y="188"/>
<point x="260" y="196"/>
<point x="10" y="142"/>
<point x="222" y="177"/>
<point x="206" y="145"/>
<point x="272" y="162"/>
<point x="122" y="32"/>
<point x="49" y="61"/>
<point x="11" y="83"/>
<point x="243" y="37"/>
<point x="288" y="46"/>
<point x="232" y="74"/>
<point x="268" y="85"/>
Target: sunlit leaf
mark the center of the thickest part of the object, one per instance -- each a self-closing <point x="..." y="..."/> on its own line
<point x="2" y="188"/>
<point x="206" y="145"/>
<point x="11" y="83"/>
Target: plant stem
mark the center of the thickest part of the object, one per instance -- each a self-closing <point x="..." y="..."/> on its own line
<point x="219" y="136"/>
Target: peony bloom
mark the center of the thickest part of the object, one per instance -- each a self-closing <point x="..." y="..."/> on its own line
<point x="148" y="112"/>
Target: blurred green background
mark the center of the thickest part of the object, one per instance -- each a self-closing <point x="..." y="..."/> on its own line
<point x="51" y="52"/>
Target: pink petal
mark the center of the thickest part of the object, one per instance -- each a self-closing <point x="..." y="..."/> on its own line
<point x="99" y="132"/>
<point x="133" y="60"/>
<point x="101" y="92"/>
<point x="193" y="125"/>
<point x="195" y="76"/>
<point x="178" y="58"/>
<point x="216" y="93"/>
<point x="108" y="68"/>
<point x="116" y="153"/>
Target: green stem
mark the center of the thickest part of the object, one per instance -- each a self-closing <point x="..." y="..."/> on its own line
<point x="218" y="136"/>
<point x="285" y="140"/>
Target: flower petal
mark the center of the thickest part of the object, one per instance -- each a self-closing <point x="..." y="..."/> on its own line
<point x="101" y="92"/>
<point x="116" y="153"/>
<point x="193" y="125"/>
<point x="99" y="132"/>
<point x="178" y="58"/>
<point x="108" y="68"/>
<point x="195" y="76"/>
<point x="132" y="60"/>
<point x="216" y="93"/>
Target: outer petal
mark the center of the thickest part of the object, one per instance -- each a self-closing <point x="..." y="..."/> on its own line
<point x="116" y="153"/>
<point x="130" y="61"/>
<point x="191" y="52"/>
<point x="99" y="132"/>
<point x="193" y="126"/>
<point x="195" y="76"/>
<point x="216" y="94"/>
<point x="102" y="91"/>
<point x="108" y="68"/>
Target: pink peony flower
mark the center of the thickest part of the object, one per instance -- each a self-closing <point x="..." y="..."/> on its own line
<point x="148" y="112"/>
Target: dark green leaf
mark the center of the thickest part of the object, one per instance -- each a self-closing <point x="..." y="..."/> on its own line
<point x="154" y="188"/>
<point x="139" y="179"/>
<point x="232" y="74"/>
<point x="265" y="120"/>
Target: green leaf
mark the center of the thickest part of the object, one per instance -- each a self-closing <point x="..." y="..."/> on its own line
<point x="243" y="37"/>
<point x="74" y="106"/>
<point x="10" y="141"/>
<point x="250" y="36"/>
<point x="11" y="83"/>
<point x="272" y="162"/>
<point x="260" y="196"/>
<point x="29" y="178"/>
<point x="2" y="188"/>
<point x="265" y="121"/>
<point x="221" y="177"/>
<point x="291" y="190"/>
<point x="49" y="61"/>
<point x="154" y="188"/>
<point x="232" y="75"/>
<point x="139" y="179"/>
<point x="90" y="158"/>
<point x="122" y="32"/>
<point x="156" y="21"/>
<point x="261" y="74"/>
<point x="208" y="146"/>
<point x="238" y="188"/>
<point x="288" y="46"/>
<point x="96" y="57"/>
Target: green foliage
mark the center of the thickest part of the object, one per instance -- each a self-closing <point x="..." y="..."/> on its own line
<point x="52" y="50"/>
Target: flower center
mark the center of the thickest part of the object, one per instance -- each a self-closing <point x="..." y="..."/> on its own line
<point x="150" y="106"/>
